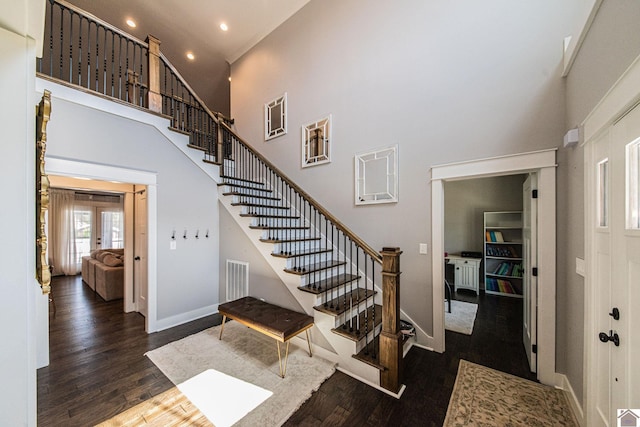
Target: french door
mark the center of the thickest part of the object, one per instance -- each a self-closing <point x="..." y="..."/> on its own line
<point x="97" y="228"/>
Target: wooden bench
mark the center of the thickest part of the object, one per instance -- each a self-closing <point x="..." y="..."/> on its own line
<point x="277" y="322"/>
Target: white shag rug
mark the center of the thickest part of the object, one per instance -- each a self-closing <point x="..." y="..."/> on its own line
<point x="250" y="360"/>
<point x="461" y="318"/>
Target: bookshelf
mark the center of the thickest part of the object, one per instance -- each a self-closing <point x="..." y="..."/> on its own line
<point x="503" y="253"/>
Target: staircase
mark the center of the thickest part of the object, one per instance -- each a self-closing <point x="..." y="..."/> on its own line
<point x="333" y="274"/>
<point x="313" y="258"/>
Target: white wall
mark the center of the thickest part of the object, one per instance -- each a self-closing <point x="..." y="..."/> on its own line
<point x="21" y="330"/>
<point x="608" y="49"/>
<point x="187" y="278"/>
<point x="446" y="81"/>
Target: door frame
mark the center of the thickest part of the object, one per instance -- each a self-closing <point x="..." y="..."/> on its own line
<point x="623" y="96"/>
<point x="543" y="163"/>
<point x="79" y="169"/>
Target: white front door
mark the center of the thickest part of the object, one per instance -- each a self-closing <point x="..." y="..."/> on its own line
<point x="140" y="252"/>
<point x="616" y="271"/>
<point x="529" y="262"/>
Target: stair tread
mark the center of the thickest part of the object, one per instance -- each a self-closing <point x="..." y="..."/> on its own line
<point x="196" y="147"/>
<point x="300" y="239"/>
<point x="258" y="205"/>
<point x="337" y="306"/>
<point x="241" y="179"/>
<point x="271" y="227"/>
<point x="255" y="215"/>
<point x="329" y="283"/>
<point x="301" y="253"/>
<point x="246" y="187"/>
<point x="367" y="354"/>
<point x="369" y="326"/>
<point x="255" y="196"/>
<point x="318" y="266"/>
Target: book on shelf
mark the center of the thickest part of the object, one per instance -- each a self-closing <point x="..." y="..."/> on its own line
<point x="508" y="269"/>
<point x="495" y="236"/>
<point x="499" y="285"/>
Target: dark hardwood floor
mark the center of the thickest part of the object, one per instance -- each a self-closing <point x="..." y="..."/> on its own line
<point x="97" y="365"/>
<point x="98" y="368"/>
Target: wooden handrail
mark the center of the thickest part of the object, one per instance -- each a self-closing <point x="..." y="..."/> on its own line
<point x="358" y="241"/>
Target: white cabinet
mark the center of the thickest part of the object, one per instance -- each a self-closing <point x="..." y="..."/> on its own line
<point x="466" y="272"/>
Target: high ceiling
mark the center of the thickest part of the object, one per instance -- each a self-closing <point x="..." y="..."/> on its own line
<point x="194" y="26"/>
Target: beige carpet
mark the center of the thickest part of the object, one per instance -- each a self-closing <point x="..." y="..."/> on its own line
<point x="236" y="381"/>
<point x="462" y="316"/>
<point x="486" y="397"/>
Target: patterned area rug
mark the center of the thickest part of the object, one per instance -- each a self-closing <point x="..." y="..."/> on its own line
<point x="486" y="397"/>
<point x="226" y="374"/>
<point x="462" y="316"/>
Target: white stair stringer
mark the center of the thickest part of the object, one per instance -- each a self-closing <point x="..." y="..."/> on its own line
<point x="343" y="348"/>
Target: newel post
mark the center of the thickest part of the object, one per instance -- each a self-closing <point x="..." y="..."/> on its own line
<point x="153" y="77"/>
<point x="391" y="336"/>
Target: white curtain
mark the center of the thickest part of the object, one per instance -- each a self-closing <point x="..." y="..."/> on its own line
<point x="62" y="238"/>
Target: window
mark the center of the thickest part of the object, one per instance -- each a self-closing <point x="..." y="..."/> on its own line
<point x="633" y="185"/>
<point x="603" y="193"/>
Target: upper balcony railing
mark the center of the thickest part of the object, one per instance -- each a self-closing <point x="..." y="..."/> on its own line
<point x="82" y="50"/>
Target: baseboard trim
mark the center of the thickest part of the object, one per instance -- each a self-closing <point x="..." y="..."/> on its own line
<point x="562" y="382"/>
<point x="179" y="319"/>
<point x="369" y="383"/>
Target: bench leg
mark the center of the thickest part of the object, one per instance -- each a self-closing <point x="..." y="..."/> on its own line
<point x="283" y="368"/>
<point x="224" y="319"/>
<point x="309" y="343"/>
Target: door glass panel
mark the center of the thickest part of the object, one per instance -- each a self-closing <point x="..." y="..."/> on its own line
<point x="603" y="193"/>
<point x="633" y="186"/>
<point x="82" y="224"/>
<point x="112" y="233"/>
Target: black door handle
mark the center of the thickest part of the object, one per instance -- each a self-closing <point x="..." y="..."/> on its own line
<point x="137" y="258"/>
<point x="615" y="313"/>
<point x="611" y="337"/>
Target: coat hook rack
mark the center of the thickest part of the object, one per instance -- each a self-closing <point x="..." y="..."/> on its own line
<point x="207" y="235"/>
<point x="197" y="234"/>
<point x="173" y="235"/>
<point x="184" y="236"/>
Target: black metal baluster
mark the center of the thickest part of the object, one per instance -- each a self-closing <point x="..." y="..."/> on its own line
<point x="373" y="301"/>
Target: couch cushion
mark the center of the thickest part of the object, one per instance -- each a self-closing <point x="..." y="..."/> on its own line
<point x="112" y="260"/>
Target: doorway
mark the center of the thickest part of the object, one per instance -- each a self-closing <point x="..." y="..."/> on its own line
<point x="145" y="180"/>
<point x="543" y="164"/>
<point x="485" y="275"/>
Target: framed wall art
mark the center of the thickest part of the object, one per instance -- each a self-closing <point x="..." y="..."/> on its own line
<point x="275" y="117"/>
<point x="376" y="176"/>
<point x="316" y="142"/>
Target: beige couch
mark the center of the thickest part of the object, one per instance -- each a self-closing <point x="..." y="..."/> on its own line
<point x="103" y="271"/>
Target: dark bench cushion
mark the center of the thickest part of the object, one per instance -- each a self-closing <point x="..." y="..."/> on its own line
<point x="277" y="322"/>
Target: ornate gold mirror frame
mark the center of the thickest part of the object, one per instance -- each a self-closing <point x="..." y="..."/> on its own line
<point x="43" y="111"/>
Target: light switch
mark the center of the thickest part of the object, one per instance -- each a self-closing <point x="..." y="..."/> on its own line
<point x="172" y="245"/>
<point x="423" y="248"/>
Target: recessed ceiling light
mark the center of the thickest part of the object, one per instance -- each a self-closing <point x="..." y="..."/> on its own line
<point x="224" y="27"/>
<point x="191" y="56"/>
<point x="131" y="23"/>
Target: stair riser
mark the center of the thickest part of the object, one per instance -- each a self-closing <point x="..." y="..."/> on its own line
<point x="276" y="222"/>
<point x="285" y="234"/>
<point x="306" y="279"/>
<point x="246" y="191"/>
<point x="257" y="200"/>
<point x="362" y="343"/>
<point x="309" y="259"/>
<point x="243" y="183"/>
<point x="297" y="246"/>
<point x="246" y="210"/>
